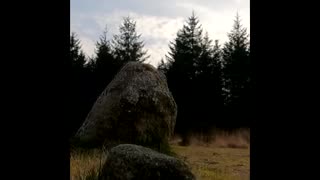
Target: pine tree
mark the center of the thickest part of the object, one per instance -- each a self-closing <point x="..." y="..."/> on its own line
<point x="209" y="85"/>
<point x="204" y="64"/>
<point x="237" y="68"/>
<point x="76" y="54"/>
<point x="78" y="75"/>
<point x="217" y="69"/>
<point x="106" y="66"/>
<point x="217" y="82"/>
<point x="186" y="49"/>
<point x="127" y="46"/>
<point x="188" y="64"/>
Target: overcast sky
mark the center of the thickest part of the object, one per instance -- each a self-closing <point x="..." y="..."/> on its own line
<point x="157" y="20"/>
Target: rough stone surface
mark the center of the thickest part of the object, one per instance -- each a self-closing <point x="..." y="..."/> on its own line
<point x="133" y="162"/>
<point x="136" y="107"/>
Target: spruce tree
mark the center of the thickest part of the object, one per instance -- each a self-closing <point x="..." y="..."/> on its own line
<point x="237" y="70"/>
<point x="106" y="66"/>
<point x="127" y="45"/>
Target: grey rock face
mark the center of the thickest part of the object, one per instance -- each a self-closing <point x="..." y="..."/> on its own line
<point x="133" y="162"/>
<point x="136" y="107"/>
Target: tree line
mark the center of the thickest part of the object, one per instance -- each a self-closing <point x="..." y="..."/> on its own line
<point x="212" y="83"/>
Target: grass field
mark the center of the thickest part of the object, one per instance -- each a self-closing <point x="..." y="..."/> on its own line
<point x="216" y="163"/>
<point x="227" y="157"/>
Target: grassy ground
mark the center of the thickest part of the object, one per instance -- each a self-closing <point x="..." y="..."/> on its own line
<point x="216" y="163"/>
<point x="227" y="157"/>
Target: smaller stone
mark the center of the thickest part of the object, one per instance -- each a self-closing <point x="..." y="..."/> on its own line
<point x="133" y="162"/>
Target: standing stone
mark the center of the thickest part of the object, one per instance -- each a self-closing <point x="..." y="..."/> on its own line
<point x="136" y="107"/>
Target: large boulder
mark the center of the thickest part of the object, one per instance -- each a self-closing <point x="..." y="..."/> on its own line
<point x="133" y="162"/>
<point x="136" y="107"/>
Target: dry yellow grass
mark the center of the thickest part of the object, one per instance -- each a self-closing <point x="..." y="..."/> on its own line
<point x="216" y="163"/>
<point x="224" y="156"/>
<point x="85" y="165"/>
<point x="236" y="139"/>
